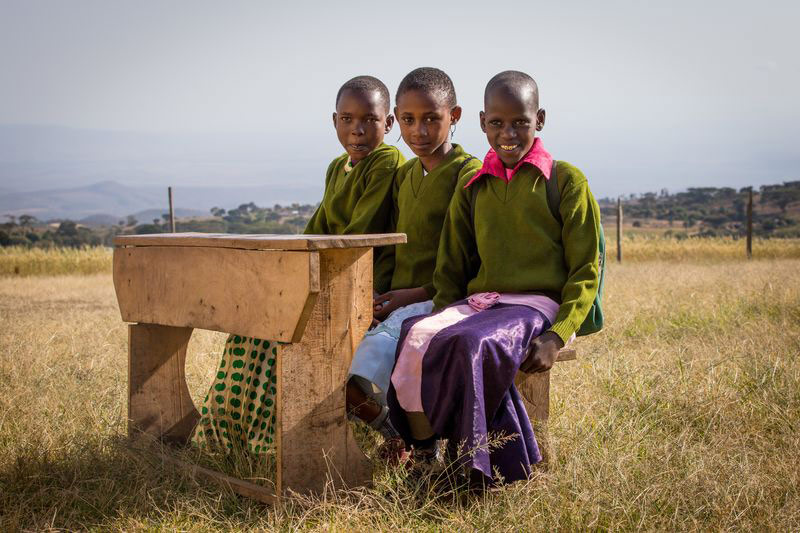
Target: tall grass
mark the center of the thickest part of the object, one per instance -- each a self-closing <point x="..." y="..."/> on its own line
<point x="22" y="261"/>
<point x="643" y="247"/>
<point x="683" y="414"/>
<point x="636" y="248"/>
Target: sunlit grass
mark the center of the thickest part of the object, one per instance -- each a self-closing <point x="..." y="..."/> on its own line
<point x="21" y="261"/>
<point x="636" y="248"/>
<point x="683" y="414"/>
<point x="642" y="247"/>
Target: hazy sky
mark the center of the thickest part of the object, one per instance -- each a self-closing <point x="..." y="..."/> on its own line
<point x="640" y="95"/>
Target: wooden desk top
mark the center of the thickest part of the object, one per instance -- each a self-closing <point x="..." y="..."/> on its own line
<point x="261" y="241"/>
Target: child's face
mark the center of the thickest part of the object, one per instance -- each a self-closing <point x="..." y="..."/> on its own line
<point x="425" y="121"/>
<point x="510" y="121"/>
<point x="361" y="121"/>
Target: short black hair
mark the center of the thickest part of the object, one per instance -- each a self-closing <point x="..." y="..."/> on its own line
<point x="429" y="80"/>
<point x="512" y="81"/>
<point x="366" y="84"/>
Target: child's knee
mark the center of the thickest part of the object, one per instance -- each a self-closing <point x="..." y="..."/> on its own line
<point x="353" y="390"/>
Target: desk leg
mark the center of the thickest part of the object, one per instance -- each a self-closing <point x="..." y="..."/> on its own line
<point x="535" y="391"/>
<point x="315" y="443"/>
<point x="159" y="403"/>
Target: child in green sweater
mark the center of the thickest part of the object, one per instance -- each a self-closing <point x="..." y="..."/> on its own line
<point x="358" y="184"/>
<point x="513" y="285"/>
<point x="239" y="410"/>
<point x="427" y="112"/>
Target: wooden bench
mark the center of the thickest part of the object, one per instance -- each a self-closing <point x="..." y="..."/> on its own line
<point x="313" y="292"/>
<point x="535" y="392"/>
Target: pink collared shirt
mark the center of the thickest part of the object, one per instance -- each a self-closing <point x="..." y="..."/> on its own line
<point x="536" y="156"/>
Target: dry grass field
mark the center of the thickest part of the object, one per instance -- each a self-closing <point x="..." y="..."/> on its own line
<point x="637" y="246"/>
<point x="19" y="261"/>
<point x="684" y="414"/>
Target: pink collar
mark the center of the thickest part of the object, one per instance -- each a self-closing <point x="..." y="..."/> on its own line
<point x="536" y="156"/>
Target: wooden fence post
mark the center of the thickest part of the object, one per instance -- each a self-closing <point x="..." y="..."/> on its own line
<point x="750" y="223"/>
<point x="619" y="230"/>
<point x="171" y="211"/>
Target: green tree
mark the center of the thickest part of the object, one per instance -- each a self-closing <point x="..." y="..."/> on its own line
<point x="27" y="220"/>
<point x="67" y="228"/>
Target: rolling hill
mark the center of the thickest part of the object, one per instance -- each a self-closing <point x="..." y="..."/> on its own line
<point x="109" y="200"/>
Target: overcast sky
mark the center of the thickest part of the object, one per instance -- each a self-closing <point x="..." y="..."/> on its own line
<point x="640" y="95"/>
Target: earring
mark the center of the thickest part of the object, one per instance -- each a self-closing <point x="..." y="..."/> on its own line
<point x="400" y="136"/>
<point x="452" y="130"/>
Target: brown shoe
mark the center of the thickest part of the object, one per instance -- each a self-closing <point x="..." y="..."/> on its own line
<point x="393" y="451"/>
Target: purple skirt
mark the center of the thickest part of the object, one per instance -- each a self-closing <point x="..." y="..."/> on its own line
<point x="467" y="385"/>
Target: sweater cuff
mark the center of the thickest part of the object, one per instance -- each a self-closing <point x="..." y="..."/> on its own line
<point x="564" y="330"/>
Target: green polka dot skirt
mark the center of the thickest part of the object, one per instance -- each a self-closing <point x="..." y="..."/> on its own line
<point x="239" y="409"/>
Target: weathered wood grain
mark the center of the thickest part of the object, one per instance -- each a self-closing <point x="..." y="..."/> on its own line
<point x="263" y="294"/>
<point x="159" y="403"/>
<point x="239" y="486"/>
<point x="566" y="354"/>
<point x="261" y="241"/>
<point x="535" y="392"/>
<point x="315" y="443"/>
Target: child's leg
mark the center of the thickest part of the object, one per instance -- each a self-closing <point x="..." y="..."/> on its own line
<point x="359" y="404"/>
<point x="239" y="409"/>
<point x="420" y="426"/>
<point x="460" y="365"/>
<point x="369" y="407"/>
<point x="424" y="441"/>
<point x="372" y="365"/>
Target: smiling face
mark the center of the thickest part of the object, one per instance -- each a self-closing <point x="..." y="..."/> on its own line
<point x="361" y="120"/>
<point x="425" y="120"/>
<point x="510" y="121"/>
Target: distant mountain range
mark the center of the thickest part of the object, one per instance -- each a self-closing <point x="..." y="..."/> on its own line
<point x="142" y="217"/>
<point x="60" y="172"/>
<point x="107" y="202"/>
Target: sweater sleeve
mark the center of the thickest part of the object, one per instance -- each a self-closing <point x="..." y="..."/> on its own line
<point x="457" y="259"/>
<point x="318" y="223"/>
<point x="372" y="213"/>
<point x="580" y="235"/>
<point x="385" y="256"/>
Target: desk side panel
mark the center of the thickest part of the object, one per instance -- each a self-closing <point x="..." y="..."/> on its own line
<point x="315" y="442"/>
<point x="254" y="293"/>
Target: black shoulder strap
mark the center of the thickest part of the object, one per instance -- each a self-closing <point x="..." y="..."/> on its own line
<point x="473" y="196"/>
<point x="553" y="194"/>
<point x="460" y="168"/>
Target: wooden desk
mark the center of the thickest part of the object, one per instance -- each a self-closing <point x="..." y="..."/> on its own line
<point x="311" y="291"/>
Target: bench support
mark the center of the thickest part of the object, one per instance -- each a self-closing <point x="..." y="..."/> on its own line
<point x="159" y="403"/>
<point x="535" y="392"/>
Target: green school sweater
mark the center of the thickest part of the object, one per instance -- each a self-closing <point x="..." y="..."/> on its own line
<point x="359" y="202"/>
<point x="515" y="244"/>
<point x="420" y="206"/>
